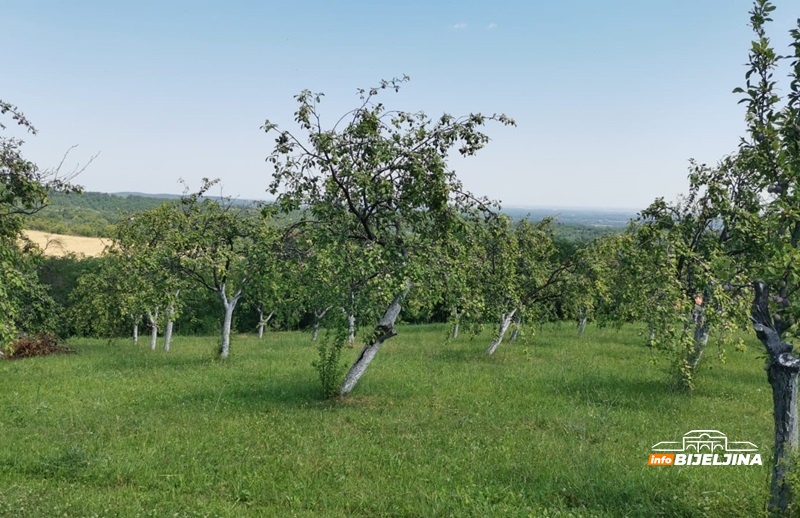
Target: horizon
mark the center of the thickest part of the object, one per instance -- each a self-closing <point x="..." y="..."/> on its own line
<point x="611" y="99"/>
<point x="270" y="200"/>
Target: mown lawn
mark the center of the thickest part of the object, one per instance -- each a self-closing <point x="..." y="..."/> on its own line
<point x="556" y="425"/>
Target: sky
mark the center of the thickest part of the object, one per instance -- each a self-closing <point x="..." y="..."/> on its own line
<point x="611" y="98"/>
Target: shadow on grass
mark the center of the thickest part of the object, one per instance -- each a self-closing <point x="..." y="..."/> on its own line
<point x="459" y="355"/>
<point x="614" y="392"/>
<point x="250" y="396"/>
<point x="623" y="492"/>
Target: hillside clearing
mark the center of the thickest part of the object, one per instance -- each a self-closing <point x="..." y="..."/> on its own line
<point x="59" y="245"/>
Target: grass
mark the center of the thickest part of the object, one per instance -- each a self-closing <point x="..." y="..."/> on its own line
<point x="557" y="425"/>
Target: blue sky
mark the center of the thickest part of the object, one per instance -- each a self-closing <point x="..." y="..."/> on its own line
<point x="611" y="98"/>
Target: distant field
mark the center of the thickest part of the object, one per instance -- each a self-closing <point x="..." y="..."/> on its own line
<point x="59" y="244"/>
<point x="553" y="426"/>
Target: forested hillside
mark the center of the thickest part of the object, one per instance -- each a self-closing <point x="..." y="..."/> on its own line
<point x="94" y="214"/>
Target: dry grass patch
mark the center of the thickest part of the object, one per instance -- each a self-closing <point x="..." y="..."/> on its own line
<point x="59" y="245"/>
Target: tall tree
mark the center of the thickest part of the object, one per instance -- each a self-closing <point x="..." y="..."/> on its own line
<point x="771" y="156"/>
<point x="23" y="191"/>
<point x="754" y="201"/>
<point x="379" y="179"/>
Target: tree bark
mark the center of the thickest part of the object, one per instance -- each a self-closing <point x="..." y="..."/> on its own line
<point x="782" y="373"/>
<point x="135" y="321"/>
<point x="262" y="322"/>
<point x="456" y="322"/>
<point x="170" y="323"/>
<point x="351" y="329"/>
<point x="229" y="305"/>
<point x="515" y="332"/>
<point x="153" y="320"/>
<point x="318" y="315"/>
<point x="582" y="318"/>
<point x="383" y="331"/>
<point x="505" y="322"/>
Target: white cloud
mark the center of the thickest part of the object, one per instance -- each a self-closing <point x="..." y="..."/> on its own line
<point x="491" y="26"/>
<point x="459" y="26"/>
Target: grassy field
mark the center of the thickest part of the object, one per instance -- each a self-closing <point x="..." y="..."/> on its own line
<point x="59" y="244"/>
<point x="554" y="426"/>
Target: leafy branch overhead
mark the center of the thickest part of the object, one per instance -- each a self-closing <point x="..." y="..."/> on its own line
<point x="386" y="169"/>
<point x="376" y="184"/>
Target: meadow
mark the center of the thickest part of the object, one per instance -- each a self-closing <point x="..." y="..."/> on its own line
<point x="551" y="425"/>
<point x="59" y="245"/>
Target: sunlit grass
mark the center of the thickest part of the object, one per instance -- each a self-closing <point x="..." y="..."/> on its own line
<point x="552" y="425"/>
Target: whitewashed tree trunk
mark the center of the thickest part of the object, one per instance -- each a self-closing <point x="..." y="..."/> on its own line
<point x="168" y="334"/>
<point x="152" y="318"/>
<point x="170" y="314"/>
<point x="229" y="305"/>
<point x="782" y="372"/>
<point x="456" y="322"/>
<point x="351" y="329"/>
<point x="582" y="318"/>
<point x="262" y="322"/>
<point x="135" y="322"/>
<point x="318" y="316"/>
<point x="505" y="322"/>
<point x="383" y="331"/>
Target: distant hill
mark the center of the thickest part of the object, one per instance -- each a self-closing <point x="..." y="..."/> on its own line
<point x="94" y="214"/>
<point x="91" y="214"/>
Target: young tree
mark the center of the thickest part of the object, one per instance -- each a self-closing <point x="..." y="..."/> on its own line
<point x="211" y="243"/>
<point x="378" y="179"/>
<point x="143" y="245"/>
<point x="522" y="273"/>
<point x="677" y="258"/>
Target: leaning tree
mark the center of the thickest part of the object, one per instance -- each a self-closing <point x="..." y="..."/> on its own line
<point x="771" y="155"/>
<point x="754" y="201"/>
<point x="378" y="179"/>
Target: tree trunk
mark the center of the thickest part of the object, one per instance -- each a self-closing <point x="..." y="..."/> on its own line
<point x="168" y="333"/>
<point x="262" y="322"/>
<point x="383" y="331"/>
<point x="153" y="319"/>
<point x="456" y="322"/>
<point x="170" y="323"/>
<point x="351" y="329"/>
<point x="229" y="305"/>
<point x="582" y="318"/>
<point x="318" y="315"/>
<point x="700" y="336"/>
<point x="135" y="321"/>
<point x="782" y="375"/>
<point x="505" y="322"/>
<point x="515" y="332"/>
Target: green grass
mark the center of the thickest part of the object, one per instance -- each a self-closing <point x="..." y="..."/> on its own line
<point x="558" y="425"/>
